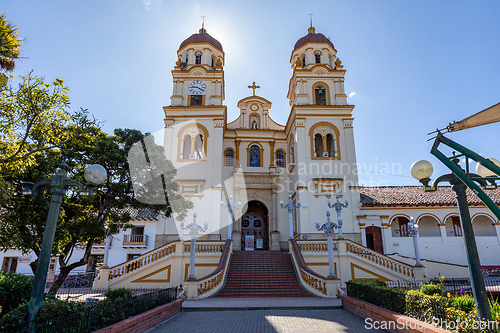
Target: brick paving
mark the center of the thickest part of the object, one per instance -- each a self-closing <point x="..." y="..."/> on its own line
<point x="262" y="321"/>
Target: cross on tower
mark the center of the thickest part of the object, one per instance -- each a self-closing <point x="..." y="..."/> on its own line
<point x="311" y="18"/>
<point x="253" y="86"/>
<point x="203" y="21"/>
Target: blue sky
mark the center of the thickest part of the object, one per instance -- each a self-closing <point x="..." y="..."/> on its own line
<point x="412" y="66"/>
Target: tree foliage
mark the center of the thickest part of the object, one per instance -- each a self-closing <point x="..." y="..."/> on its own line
<point x="10" y="45"/>
<point x="34" y="117"/>
<point x="83" y="221"/>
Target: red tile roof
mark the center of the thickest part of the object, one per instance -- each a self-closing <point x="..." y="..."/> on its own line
<point x="415" y="196"/>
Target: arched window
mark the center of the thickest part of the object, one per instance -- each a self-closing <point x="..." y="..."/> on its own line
<point x="280" y="158"/>
<point x="213" y="61"/>
<point x="303" y="61"/>
<point x="197" y="60"/>
<point x="324" y="141"/>
<point x="400" y="227"/>
<point x="229" y="158"/>
<point x="254" y="156"/>
<point x="320" y="93"/>
<point x="317" y="57"/>
<point x="192" y="142"/>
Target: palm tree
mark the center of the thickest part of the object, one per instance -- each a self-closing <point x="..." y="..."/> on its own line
<point x="9" y="44"/>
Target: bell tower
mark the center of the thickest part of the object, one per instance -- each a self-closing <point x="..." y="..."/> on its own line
<point x="319" y="133"/>
<point x="318" y="74"/>
<point x="198" y="76"/>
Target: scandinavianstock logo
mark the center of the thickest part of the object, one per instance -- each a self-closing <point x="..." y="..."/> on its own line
<point x="197" y="179"/>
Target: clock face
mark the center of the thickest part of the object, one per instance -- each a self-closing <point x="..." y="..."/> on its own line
<point x="197" y="87"/>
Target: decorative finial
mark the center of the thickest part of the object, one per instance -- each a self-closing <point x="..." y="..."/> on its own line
<point x="202" y="30"/>
<point x="311" y="18"/>
<point x="311" y="29"/>
<point x="253" y="86"/>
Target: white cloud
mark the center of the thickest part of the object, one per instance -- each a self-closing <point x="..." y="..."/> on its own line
<point x="352" y="94"/>
<point x="195" y="9"/>
<point x="146" y="3"/>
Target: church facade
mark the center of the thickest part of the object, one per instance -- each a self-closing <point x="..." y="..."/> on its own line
<point x="256" y="160"/>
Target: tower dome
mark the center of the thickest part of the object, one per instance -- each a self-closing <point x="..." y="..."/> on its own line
<point x="312" y="37"/>
<point x="201" y="37"/>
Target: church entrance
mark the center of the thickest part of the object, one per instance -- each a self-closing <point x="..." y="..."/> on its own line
<point x="254" y="228"/>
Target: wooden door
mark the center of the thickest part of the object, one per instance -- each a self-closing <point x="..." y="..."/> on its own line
<point x="374" y="239"/>
<point x="255" y="224"/>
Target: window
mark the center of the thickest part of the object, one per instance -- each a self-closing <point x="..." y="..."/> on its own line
<point x="9" y="264"/>
<point x="192" y="143"/>
<point x="197" y="59"/>
<point x="320" y="94"/>
<point x="317" y="57"/>
<point x="457" y="227"/>
<point x="196" y="100"/>
<point x="254" y="156"/>
<point x="324" y="141"/>
<point x="95" y="262"/>
<point x="229" y="160"/>
<point x="280" y="158"/>
<point x="213" y="62"/>
<point x="403" y="227"/>
<point x="303" y="61"/>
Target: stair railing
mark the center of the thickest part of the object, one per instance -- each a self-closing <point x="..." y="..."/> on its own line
<point x="213" y="282"/>
<point x="310" y="280"/>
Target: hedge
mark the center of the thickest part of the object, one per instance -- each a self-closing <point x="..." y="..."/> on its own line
<point x="61" y="316"/>
<point x="15" y="289"/>
<point x="375" y="292"/>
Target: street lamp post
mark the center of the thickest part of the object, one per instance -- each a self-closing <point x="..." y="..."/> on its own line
<point x="95" y="175"/>
<point x="290" y="206"/>
<point x="338" y="208"/>
<point x="328" y="228"/>
<point x="413" y="232"/>
<point x="422" y="171"/>
<point x="230" y="206"/>
<point x="194" y="229"/>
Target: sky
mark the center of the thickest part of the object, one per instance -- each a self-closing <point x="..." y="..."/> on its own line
<point x="412" y="66"/>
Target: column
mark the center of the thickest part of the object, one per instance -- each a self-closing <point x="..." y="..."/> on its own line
<point x="386" y="234"/>
<point x="362" y="225"/>
<point x="237" y="153"/>
<point x="271" y="157"/>
<point x="442" y="231"/>
<point x="496" y="225"/>
<point x="325" y="150"/>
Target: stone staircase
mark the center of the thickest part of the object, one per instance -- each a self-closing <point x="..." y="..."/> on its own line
<point x="261" y="274"/>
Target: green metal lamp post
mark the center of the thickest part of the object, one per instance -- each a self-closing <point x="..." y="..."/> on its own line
<point x="422" y="170"/>
<point x="95" y="175"/>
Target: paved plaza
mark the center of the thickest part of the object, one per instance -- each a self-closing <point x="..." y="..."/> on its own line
<point x="295" y="315"/>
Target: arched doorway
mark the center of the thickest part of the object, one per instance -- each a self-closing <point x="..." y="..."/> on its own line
<point x="255" y="223"/>
<point x="374" y="239"/>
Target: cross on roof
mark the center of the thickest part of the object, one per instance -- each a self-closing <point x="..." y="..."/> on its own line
<point x="253" y="86"/>
<point x="311" y="18"/>
<point x="203" y="21"/>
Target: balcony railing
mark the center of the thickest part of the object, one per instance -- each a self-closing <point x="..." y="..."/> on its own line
<point x="135" y="240"/>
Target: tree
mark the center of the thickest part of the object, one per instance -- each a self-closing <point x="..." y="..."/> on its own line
<point x="82" y="221"/>
<point x="34" y="117"/>
<point x="10" y="45"/>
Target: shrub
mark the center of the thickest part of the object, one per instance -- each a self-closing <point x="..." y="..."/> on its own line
<point x="372" y="282"/>
<point x="14" y="290"/>
<point x="371" y="292"/>
<point x="114" y="294"/>
<point x="465" y="303"/>
<point x="431" y="289"/>
<point x="54" y="316"/>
